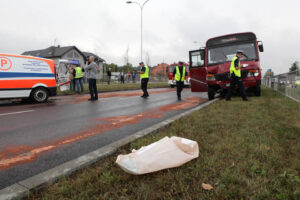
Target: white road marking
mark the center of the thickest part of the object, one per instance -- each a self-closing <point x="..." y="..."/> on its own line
<point x="14" y="113"/>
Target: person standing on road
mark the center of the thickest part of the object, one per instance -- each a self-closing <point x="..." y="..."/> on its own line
<point x="133" y="76"/>
<point x="122" y="76"/>
<point x="78" y="74"/>
<point x="179" y="75"/>
<point x="144" y="79"/>
<point x="71" y="77"/>
<point x="128" y="76"/>
<point x="108" y="76"/>
<point x="236" y="77"/>
<point x="91" y="74"/>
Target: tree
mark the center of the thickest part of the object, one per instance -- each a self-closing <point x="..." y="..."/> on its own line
<point x="112" y="66"/>
<point x="294" y="67"/>
<point x="126" y="68"/>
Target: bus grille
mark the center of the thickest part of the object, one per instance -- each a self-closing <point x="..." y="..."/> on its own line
<point x="226" y="76"/>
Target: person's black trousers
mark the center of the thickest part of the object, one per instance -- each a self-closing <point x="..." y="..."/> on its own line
<point x="179" y="86"/>
<point x="236" y="81"/>
<point x="93" y="89"/>
<point x="144" y="84"/>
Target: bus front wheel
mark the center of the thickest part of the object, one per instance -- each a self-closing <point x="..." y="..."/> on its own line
<point x="211" y="93"/>
<point x="257" y="91"/>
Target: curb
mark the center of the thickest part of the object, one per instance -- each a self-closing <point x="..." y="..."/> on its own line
<point x="21" y="189"/>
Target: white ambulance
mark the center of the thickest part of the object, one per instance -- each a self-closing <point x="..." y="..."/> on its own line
<point x="27" y="77"/>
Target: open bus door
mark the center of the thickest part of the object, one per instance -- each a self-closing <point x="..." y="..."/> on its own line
<point x="197" y="71"/>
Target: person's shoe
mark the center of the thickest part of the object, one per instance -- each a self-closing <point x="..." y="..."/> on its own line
<point x="179" y="98"/>
<point x="143" y="96"/>
<point x="96" y="99"/>
<point x="246" y="99"/>
<point x="228" y="99"/>
<point x="91" y="99"/>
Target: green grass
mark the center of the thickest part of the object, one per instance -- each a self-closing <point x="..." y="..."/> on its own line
<point x="248" y="150"/>
<point x="116" y="87"/>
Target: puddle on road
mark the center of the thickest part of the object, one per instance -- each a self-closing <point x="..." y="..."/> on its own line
<point x="16" y="155"/>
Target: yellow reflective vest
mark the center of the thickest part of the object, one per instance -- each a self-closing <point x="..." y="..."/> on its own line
<point x="232" y="68"/>
<point x="79" y="73"/>
<point x="146" y="74"/>
<point x="177" y="75"/>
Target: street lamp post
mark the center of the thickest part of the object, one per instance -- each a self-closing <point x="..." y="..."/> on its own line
<point x="141" y="7"/>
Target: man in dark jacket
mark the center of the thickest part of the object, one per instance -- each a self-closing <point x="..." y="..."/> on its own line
<point x="108" y="75"/>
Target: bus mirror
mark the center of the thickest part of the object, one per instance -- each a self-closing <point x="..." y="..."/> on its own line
<point x="261" y="46"/>
<point x="202" y="54"/>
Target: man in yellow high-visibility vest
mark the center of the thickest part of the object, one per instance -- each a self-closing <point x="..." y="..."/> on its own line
<point x="144" y="79"/>
<point x="236" y="77"/>
<point x="78" y="75"/>
<point x="179" y="75"/>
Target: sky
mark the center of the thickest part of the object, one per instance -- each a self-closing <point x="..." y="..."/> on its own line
<point x="171" y="27"/>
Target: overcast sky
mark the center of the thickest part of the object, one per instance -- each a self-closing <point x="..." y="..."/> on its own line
<point x="109" y="27"/>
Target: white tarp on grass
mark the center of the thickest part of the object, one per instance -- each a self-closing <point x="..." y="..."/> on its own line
<point x="163" y="154"/>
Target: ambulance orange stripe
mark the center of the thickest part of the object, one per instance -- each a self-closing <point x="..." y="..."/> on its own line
<point x="10" y="84"/>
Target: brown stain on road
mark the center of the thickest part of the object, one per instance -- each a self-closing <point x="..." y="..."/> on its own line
<point x="73" y="99"/>
<point x="80" y="99"/>
<point x="17" y="155"/>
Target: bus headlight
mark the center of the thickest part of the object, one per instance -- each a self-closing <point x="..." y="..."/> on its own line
<point x="253" y="72"/>
<point x="210" y="77"/>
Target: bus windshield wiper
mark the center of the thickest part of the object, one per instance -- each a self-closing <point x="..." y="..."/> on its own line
<point x="245" y="55"/>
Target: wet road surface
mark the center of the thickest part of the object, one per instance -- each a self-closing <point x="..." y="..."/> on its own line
<point x="37" y="137"/>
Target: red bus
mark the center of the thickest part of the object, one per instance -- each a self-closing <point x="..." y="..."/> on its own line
<point x="209" y="66"/>
<point x="170" y="71"/>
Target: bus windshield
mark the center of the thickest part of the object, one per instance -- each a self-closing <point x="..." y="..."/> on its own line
<point x="171" y="68"/>
<point x="218" y="55"/>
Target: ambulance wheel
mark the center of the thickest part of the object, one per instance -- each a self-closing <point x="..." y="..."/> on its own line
<point x="211" y="93"/>
<point x="39" y="95"/>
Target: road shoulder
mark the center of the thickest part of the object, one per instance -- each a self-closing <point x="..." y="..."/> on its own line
<point x="22" y="188"/>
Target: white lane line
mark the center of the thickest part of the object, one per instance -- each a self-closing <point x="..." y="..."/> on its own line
<point x="14" y="113"/>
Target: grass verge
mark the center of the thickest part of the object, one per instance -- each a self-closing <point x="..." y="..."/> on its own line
<point x="248" y="150"/>
<point x="116" y="87"/>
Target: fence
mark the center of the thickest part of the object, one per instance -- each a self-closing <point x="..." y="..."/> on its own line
<point x="287" y="84"/>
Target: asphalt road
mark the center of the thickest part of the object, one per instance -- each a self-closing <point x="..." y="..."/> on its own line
<point x="37" y="137"/>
